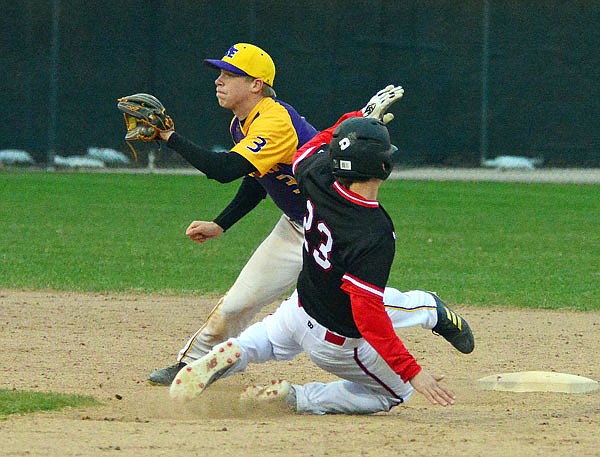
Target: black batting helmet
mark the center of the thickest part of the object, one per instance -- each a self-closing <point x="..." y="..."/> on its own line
<point x="360" y="149"/>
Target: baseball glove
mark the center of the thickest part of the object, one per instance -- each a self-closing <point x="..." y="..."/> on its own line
<point x="145" y="117"/>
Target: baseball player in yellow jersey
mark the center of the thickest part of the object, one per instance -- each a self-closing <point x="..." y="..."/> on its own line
<point x="266" y="133"/>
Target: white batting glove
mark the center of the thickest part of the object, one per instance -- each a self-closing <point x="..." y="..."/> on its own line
<point x="381" y="101"/>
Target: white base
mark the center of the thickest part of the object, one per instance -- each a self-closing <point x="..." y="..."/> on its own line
<point x="538" y="381"/>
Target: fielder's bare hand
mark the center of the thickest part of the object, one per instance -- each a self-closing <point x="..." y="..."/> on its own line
<point x="427" y="385"/>
<point x="200" y="231"/>
<point x="381" y="102"/>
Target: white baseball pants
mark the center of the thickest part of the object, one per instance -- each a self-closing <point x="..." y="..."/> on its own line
<point x="269" y="275"/>
<point x="368" y="384"/>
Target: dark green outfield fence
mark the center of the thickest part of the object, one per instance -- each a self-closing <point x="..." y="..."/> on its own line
<point x="482" y="78"/>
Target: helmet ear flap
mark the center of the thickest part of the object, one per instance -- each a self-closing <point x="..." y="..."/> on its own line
<point x="387" y="168"/>
<point x="388" y="165"/>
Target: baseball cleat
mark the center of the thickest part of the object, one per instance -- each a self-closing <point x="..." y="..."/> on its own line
<point x="453" y="327"/>
<point x="276" y="390"/>
<point x="195" y="377"/>
<point x="165" y="376"/>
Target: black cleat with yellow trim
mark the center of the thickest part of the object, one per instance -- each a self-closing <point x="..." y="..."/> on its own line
<point x="453" y="327"/>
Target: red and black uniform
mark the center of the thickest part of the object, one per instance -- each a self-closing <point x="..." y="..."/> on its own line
<point x="348" y="253"/>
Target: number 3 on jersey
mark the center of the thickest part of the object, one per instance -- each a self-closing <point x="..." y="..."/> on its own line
<point x="322" y="252"/>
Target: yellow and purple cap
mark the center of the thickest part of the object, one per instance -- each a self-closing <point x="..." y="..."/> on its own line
<point x="248" y="60"/>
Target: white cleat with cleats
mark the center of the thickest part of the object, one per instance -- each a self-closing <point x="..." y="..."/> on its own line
<point x="195" y="377"/>
<point x="277" y="390"/>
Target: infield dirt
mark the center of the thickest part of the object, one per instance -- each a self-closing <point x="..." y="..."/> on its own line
<point x="105" y="346"/>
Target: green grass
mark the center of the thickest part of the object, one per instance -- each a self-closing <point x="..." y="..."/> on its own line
<point x="92" y="232"/>
<point x="21" y="402"/>
<point x="524" y="245"/>
<point x="527" y="245"/>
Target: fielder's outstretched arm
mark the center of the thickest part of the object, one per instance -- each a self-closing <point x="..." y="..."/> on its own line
<point x="223" y="166"/>
<point x="249" y="194"/>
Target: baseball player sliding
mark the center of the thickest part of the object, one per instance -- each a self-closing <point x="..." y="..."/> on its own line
<point x="266" y="133"/>
<point x="337" y="314"/>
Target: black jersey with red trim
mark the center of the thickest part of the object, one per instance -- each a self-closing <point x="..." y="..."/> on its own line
<point x="349" y="240"/>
